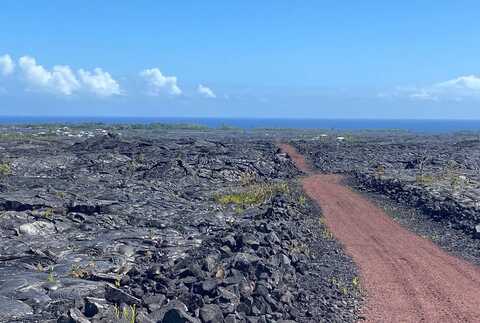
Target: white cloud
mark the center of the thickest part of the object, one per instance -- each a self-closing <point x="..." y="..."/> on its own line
<point x="457" y="89"/>
<point x="205" y="91"/>
<point x="99" y="82"/>
<point x="158" y="83"/>
<point x="62" y="80"/>
<point x="469" y="84"/>
<point x="7" y="66"/>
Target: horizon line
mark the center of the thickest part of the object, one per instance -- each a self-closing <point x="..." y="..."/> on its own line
<point x="234" y="118"/>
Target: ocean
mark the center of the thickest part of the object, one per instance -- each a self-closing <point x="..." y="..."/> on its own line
<point x="414" y="125"/>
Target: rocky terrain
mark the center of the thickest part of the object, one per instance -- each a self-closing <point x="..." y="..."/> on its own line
<point x="172" y="227"/>
<point x="438" y="175"/>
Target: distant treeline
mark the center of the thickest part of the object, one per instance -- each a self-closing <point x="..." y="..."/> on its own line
<point x="125" y="126"/>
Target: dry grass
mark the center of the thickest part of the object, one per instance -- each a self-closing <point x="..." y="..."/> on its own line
<point x="256" y="194"/>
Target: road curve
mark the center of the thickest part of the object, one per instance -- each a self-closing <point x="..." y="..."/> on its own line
<point x="406" y="278"/>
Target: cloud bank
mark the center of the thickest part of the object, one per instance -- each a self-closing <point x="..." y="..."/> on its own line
<point x="158" y="83"/>
<point x="61" y="79"/>
<point x="205" y="91"/>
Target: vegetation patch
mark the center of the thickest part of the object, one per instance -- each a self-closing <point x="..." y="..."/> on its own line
<point x="256" y="194"/>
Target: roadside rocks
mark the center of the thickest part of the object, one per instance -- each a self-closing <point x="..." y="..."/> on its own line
<point x="439" y="174"/>
<point x="455" y="211"/>
<point x="113" y="227"/>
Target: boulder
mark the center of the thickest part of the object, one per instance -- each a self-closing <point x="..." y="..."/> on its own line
<point x="37" y="228"/>
<point x="211" y="313"/>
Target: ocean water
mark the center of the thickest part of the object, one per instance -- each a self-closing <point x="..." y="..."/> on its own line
<point x="415" y="125"/>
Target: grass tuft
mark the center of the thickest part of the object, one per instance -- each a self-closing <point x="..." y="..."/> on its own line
<point x="51" y="277"/>
<point x="129" y="313"/>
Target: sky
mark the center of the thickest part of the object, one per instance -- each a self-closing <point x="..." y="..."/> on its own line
<point x="283" y="59"/>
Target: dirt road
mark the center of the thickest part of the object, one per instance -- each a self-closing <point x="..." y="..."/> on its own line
<point x="406" y="278"/>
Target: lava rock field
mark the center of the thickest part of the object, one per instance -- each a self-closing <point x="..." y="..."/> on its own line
<point x="118" y="228"/>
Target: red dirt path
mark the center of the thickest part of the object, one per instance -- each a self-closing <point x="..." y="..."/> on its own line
<point x="406" y="278"/>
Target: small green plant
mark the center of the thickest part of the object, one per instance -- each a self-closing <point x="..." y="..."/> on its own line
<point x="132" y="165"/>
<point x="343" y="288"/>
<point x="302" y="200"/>
<point x="129" y="313"/>
<point x="380" y="171"/>
<point x="51" y="277"/>
<point x="355" y="282"/>
<point x="116" y="312"/>
<point x="334" y="281"/>
<point x="48" y="213"/>
<point x="327" y="234"/>
<point x="5" y="169"/>
<point x="117" y="282"/>
<point x="61" y="195"/>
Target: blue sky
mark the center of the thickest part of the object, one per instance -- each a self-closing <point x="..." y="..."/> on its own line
<point x="319" y="59"/>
